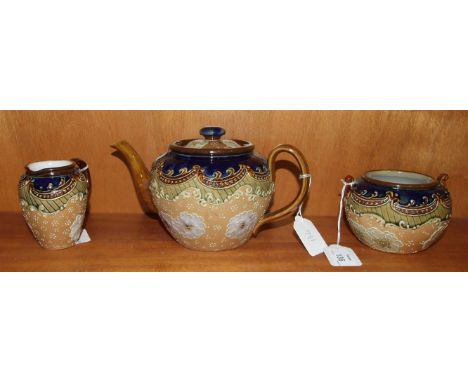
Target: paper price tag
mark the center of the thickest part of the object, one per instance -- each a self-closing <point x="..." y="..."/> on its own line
<point x="309" y="235"/>
<point x="339" y="256"/>
<point x="84" y="237"/>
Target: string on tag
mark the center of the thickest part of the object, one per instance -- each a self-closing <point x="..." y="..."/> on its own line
<point x="345" y="184"/>
<point x="303" y="176"/>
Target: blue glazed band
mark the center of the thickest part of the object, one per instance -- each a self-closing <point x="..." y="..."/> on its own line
<point x="49" y="183"/>
<point x="367" y="189"/>
<point x="174" y="163"/>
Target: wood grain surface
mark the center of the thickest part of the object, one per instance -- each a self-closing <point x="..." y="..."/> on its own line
<point x="136" y="242"/>
<point x="335" y="143"/>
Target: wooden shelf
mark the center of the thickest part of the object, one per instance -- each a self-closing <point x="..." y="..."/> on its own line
<point x="135" y="242"/>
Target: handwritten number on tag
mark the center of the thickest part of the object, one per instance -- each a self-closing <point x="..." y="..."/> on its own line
<point x="309" y="235"/>
<point x="340" y="256"/>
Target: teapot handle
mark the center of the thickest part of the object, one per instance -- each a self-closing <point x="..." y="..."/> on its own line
<point x="291" y="207"/>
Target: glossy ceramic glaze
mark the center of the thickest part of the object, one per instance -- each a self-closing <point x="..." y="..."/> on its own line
<point x="398" y="211"/>
<point x="53" y="198"/>
<point x="211" y="194"/>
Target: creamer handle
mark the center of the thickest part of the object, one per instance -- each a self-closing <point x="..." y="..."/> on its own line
<point x="83" y="167"/>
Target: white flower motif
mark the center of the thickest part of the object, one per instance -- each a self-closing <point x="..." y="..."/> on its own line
<point x="241" y="225"/>
<point x="75" y="229"/>
<point x="190" y="226"/>
<point x="436" y="234"/>
<point x="375" y="238"/>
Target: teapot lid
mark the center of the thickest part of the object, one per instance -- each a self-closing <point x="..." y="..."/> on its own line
<point x="212" y="144"/>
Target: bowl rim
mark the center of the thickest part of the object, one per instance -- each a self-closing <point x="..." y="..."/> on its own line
<point x="404" y="186"/>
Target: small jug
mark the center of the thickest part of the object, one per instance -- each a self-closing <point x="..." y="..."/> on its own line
<point x="53" y="198"/>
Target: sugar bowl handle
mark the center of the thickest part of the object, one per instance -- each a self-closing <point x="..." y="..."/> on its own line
<point x="291" y="207"/>
<point x="442" y="179"/>
<point x="349" y="179"/>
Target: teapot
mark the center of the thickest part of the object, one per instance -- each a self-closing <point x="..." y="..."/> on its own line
<point x="211" y="193"/>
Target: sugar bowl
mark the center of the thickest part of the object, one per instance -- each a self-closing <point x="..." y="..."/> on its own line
<point x="397" y="211"/>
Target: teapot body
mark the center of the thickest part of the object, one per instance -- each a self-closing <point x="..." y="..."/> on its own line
<point x="211" y="204"/>
<point x="400" y="215"/>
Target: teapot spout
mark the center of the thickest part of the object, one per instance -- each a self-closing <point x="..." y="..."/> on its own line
<point x="139" y="173"/>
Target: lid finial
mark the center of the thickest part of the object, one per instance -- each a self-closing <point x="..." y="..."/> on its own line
<point x="212" y="132"/>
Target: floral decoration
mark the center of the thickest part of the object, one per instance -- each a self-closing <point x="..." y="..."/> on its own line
<point x="241" y="225"/>
<point x="375" y="238"/>
<point x="75" y="228"/>
<point x="188" y="225"/>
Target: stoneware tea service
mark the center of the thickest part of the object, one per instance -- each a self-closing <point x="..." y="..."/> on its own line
<point x="213" y="194"/>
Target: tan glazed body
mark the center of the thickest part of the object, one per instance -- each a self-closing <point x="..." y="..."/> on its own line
<point x="53" y="199"/>
<point x="211" y="194"/>
<point x="398" y="211"/>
